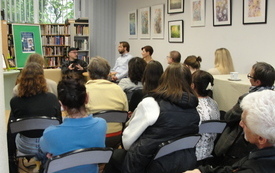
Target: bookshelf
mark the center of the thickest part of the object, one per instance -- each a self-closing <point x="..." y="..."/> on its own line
<point x="79" y="34"/>
<point x="55" y="43"/>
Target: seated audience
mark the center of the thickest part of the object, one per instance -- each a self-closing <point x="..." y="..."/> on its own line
<point x="51" y="85"/>
<point x="207" y="109"/>
<point x="223" y="62"/>
<point x="258" y="123"/>
<point x="74" y="65"/>
<point x="169" y="112"/>
<point x="150" y="81"/>
<point x="135" y="72"/>
<point x="193" y="63"/>
<point x="174" y="57"/>
<point x="231" y="146"/>
<point x="33" y="99"/>
<point x="79" y="129"/>
<point x="105" y="95"/>
<point x="120" y="70"/>
<point x="147" y="52"/>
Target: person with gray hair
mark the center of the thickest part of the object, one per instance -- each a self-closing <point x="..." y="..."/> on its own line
<point x="174" y="57"/>
<point x="258" y="123"/>
<point x="105" y="95"/>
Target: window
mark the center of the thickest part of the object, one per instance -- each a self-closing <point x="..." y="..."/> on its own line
<point x="37" y="11"/>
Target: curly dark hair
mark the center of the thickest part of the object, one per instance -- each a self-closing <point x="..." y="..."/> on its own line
<point x="136" y="67"/>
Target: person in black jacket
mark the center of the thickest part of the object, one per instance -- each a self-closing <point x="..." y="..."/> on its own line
<point x="168" y="113"/>
<point x="258" y="123"/>
<point x="231" y="146"/>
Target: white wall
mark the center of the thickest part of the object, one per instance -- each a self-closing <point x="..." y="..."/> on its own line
<point x="247" y="43"/>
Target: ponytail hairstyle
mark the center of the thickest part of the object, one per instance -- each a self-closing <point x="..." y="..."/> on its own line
<point x="71" y="93"/>
<point x="193" y="61"/>
<point x="201" y="80"/>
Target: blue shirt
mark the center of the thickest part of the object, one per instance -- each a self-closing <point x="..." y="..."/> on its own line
<point x="73" y="134"/>
<point x="121" y="66"/>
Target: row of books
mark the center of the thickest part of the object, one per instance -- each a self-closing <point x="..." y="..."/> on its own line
<point x="81" y="44"/>
<point x="55" y="40"/>
<point x="58" y="61"/>
<point x="55" y="30"/>
<point x="81" y="30"/>
<point x="49" y="51"/>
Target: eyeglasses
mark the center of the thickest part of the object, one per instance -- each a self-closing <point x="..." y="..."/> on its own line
<point x="249" y="76"/>
<point x="73" y="52"/>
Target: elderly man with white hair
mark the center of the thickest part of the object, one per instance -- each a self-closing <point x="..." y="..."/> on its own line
<point x="258" y="123"/>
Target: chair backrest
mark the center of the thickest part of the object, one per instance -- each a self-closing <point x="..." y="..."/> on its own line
<point x="32" y="123"/>
<point x="113" y="116"/>
<point x="181" y="143"/>
<point x="212" y="126"/>
<point x="78" y="158"/>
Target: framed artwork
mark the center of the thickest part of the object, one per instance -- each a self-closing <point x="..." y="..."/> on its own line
<point x="144" y="22"/>
<point x="197" y="12"/>
<point x="157" y="21"/>
<point x="133" y="24"/>
<point x="175" y="31"/>
<point x="222" y="12"/>
<point x="27" y="40"/>
<point x="175" y="6"/>
<point x="254" y="12"/>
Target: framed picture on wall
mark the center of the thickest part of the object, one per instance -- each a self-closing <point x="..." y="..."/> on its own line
<point x="175" y="6"/>
<point x="157" y="21"/>
<point x="144" y="22"/>
<point x="133" y="24"/>
<point x="254" y="12"/>
<point x="175" y="31"/>
<point x="197" y="12"/>
<point x="222" y="12"/>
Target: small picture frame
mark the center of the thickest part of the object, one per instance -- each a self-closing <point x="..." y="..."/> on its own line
<point x="222" y="12"/>
<point x="157" y="21"/>
<point x="144" y="22"/>
<point x="133" y="24"/>
<point x="175" y="31"/>
<point x="197" y="12"/>
<point x="175" y="6"/>
<point x="11" y="63"/>
<point x="254" y="12"/>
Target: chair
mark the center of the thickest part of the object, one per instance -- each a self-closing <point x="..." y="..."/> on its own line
<point x="113" y="116"/>
<point x="212" y="126"/>
<point x="77" y="158"/>
<point x="181" y="143"/>
<point x="31" y="123"/>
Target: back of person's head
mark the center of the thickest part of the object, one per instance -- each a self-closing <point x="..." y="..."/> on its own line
<point x="264" y="72"/>
<point x="260" y="113"/>
<point x="98" y="68"/>
<point x="193" y="61"/>
<point x="71" y="93"/>
<point x="136" y="67"/>
<point x="175" y="81"/>
<point x="201" y="79"/>
<point x="31" y="80"/>
<point x="223" y="61"/>
<point x="125" y="44"/>
<point x="148" y="49"/>
<point x="35" y="57"/>
<point x="175" y="56"/>
<point x="151" y="76"/>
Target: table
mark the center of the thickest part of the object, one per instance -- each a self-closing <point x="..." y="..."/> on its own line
<point x="9" y="83"/>
<point x="226" y="92"/>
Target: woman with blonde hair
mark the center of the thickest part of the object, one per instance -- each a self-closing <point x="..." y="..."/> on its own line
<point x="223" y="62"/>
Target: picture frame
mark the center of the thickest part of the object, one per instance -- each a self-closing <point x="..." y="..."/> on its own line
<point x="11" y="63"/>
<point x="175" y="6"/>
<point x="197" y="12"/>
<point x="144" y="22"/>
<point x="175" y="31"/>
<point x="254" y="12"/>
<point x="222" y="12"/>
<point x="132" y="24"/>
<point x="27" y="40"/>
<point x="157" y="21"/>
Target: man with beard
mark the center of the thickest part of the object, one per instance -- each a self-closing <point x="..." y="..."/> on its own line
<point x="120" y="69"/>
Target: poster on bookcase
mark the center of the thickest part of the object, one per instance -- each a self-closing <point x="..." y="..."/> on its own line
<point x="27" y="40"/>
